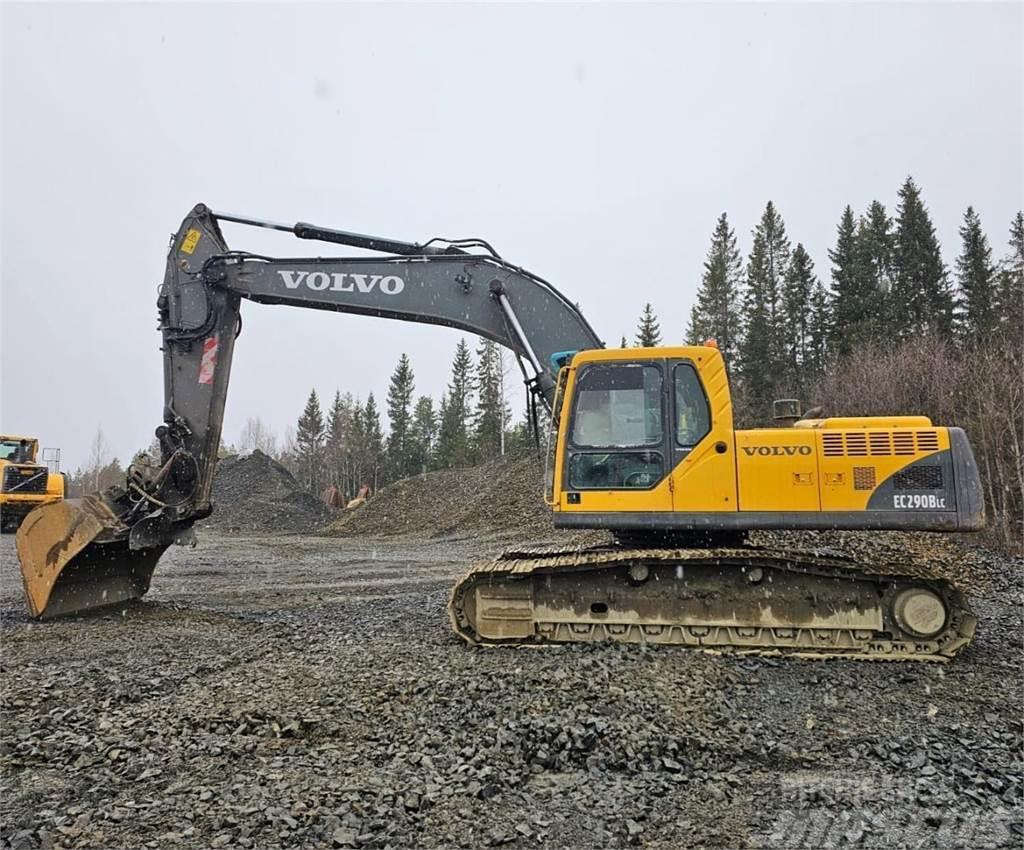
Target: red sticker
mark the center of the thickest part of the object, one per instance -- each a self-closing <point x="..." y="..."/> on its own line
<point x="209" y="361"/>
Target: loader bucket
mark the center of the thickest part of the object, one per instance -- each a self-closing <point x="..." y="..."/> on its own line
<point x="75" y="556"/>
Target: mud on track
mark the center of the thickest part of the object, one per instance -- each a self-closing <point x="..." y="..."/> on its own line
<point x="306" y="692"/>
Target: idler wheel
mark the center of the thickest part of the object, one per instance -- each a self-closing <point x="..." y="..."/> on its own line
<point x="920" y="612"/>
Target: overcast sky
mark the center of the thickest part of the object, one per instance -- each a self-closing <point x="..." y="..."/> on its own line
<point x="593" y="144"/>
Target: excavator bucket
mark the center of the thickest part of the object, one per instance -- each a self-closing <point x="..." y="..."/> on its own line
<point x="75" y="556"/>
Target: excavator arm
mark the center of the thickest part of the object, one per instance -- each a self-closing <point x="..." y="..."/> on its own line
<point x="102" y="549"/>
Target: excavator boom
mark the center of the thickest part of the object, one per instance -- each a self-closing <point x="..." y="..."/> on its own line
<point x="101" y="550"/>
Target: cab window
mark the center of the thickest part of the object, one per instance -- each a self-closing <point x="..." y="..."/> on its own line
<point x="17" y="451"/>
<point x="616" y="421"/>
<point x="618" y="405"/>
<point x="634" y="470"/>
<point x="693" y="420"/>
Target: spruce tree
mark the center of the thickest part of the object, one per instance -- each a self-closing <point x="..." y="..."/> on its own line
<point x="648" y="333"/>
<point x="339" y="420"/>
<point x="400" y="393"/>
<point x="861" y="277"/>
<point x="797" y="322"/>
<point x="716" y="313"/>
<point x="921" y="300"/>
<point x="491" y="414"/>
<point x="820" y="333"/>
<point x="624" y="343"/>
<point x="423" y="433"/>
<point x="761" y="353"/>
<point x="374" y="436"/>
<point x="976" y="277"/>
<point x="875" y="275"/>
<point x="309" y="438"/>
<point x="1010" y="285"/>
<point x="355" y="450"/>
<point x="453" y="434"/>
<point x="847" y="310"/>
<point x="443" y="443"/>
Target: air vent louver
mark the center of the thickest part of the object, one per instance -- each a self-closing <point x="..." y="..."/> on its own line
<point x="878" y="443"/>
<point x="903" y="442"/>
<point x="856" y="443"/>
<point x="832" y="442"/>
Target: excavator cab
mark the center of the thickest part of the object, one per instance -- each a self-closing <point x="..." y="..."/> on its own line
<point x="628" y="425"/>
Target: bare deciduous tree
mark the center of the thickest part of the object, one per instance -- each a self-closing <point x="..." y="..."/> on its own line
<point x="99" y="456"/>
<point x="980" y="390"/>
<point x="257" y="435"/>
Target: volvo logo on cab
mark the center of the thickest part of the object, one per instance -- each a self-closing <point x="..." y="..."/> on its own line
<point x="390" y="284"/>
<point x="777" y="451"/>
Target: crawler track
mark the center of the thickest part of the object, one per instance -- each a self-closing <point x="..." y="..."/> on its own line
<point x="746" y="599"/>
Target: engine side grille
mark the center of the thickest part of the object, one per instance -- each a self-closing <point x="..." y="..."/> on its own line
<point x="903" y="442"/>
<point x="832" y="443"/>
<point x="919" y="478"/>
<point x="856" y="444"/>
<point x="878" y="443"/>
<point x="863" y="478"/>
<point x="24" y="479"/>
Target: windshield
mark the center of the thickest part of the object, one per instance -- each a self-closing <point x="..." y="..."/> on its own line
<point x="13" y="450"/>
<point x="618" y="405"/>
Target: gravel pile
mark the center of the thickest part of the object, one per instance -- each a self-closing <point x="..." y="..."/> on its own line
<point x="503" y="495"/>
<point x="255" y="493"/>
<point x="956" y="559"/>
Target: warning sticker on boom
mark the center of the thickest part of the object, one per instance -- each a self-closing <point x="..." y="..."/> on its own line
<point x="208" y="363"/>
<point x="188" y="244"/>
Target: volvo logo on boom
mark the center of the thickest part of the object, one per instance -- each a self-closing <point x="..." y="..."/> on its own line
<point x="390" y="284"/>
<point x="778" y="451"/>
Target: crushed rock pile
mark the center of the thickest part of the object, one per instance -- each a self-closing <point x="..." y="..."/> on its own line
<point x="503" y="495"/>
<point x="954" y="558"/>
<point x="255" y="493"/>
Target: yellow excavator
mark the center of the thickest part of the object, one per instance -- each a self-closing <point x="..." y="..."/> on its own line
<point x="641" y="444"/>
<point x="24" y="482"/>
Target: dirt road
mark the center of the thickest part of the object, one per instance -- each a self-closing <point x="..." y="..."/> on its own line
<point x="306" y="692"/>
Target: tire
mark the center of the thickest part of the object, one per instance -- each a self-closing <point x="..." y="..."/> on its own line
<point x="9" y="523"/>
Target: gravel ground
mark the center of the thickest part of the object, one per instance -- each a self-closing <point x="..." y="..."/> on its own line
<point x="306" y="692"/>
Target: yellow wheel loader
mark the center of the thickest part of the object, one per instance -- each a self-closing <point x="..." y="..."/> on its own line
<point x="24" y="482"/>
<point x="641" y="444"/>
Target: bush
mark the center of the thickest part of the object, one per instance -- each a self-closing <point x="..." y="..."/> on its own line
<point x="980" y="389"/>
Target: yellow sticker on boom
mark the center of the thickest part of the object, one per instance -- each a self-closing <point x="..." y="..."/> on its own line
<point x="188" y="244"/>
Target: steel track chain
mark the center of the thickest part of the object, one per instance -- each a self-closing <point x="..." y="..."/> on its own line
<point x="521" y="562"/>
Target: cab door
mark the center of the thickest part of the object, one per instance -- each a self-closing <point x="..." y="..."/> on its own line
<point x="616" y="451"/>
<point x="702" y="450"/>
